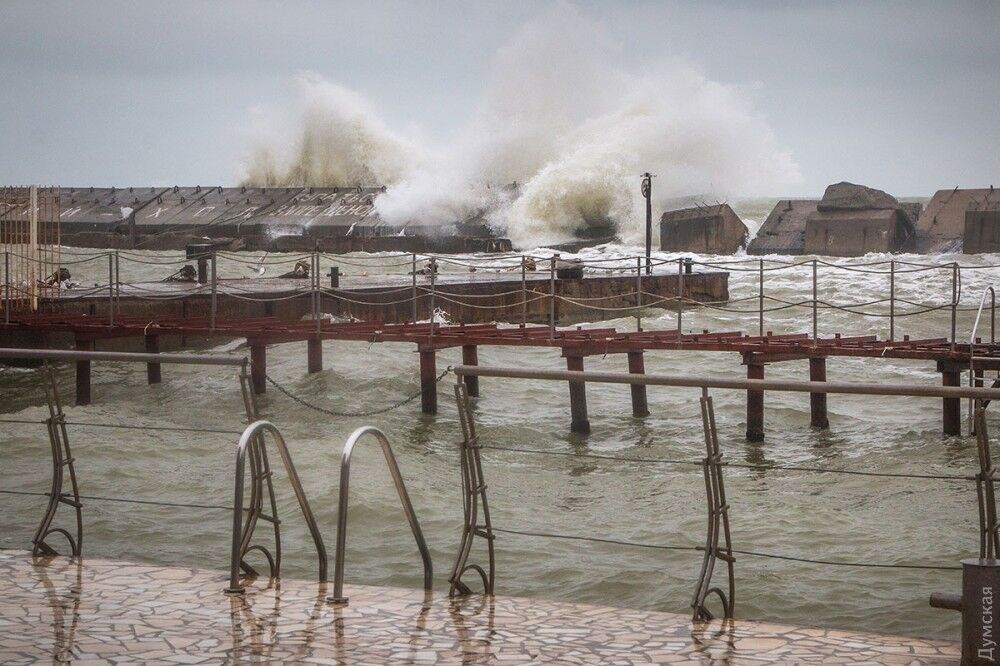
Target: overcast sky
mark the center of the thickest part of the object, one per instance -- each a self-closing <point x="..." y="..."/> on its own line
<point x="903" y="96"/>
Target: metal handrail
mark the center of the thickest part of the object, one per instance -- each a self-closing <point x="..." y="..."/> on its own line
<point x="120" y="357"/>
<point x="972" y="341"/>
<point x="252" y="435"/>
<point x="738" y="384"/>
<point x="345" y="478"/>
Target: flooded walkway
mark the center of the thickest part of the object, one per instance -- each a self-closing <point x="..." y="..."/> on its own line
<point x="101" y="611"/>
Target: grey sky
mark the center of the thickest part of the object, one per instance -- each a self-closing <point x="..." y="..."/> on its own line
<point x="899" y="95"/>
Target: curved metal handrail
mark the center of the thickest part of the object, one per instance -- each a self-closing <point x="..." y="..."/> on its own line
<point x="972" y="340"/>
<point x="345" y="479"/>
<point x="250" y="436"/>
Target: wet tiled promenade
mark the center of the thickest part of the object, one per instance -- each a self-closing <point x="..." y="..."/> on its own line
<point x="98" y="611"/>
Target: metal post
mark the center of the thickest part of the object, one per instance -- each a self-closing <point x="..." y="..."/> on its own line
<point x="580" y="422"/>
<point x="111" y="289"/>
<point x="954" y="301"/>
<point x="428" y="381"/>
<point x="413" y="293"/>
<point x="637" y="366"/>
<point x="638" y="294"/>
<point x="815" y="305"/>
<point x="760" y="298"/>
<point x="432" y="265"/>
<point x="552" y="295"/>
<point x="892" y="300"/>
<point x="817" y="401"/>
<point x="680" y="298"/>
<point x="755" y="403"/>
<point x="214" y="293"/>
<point x="647" y="191"/>
<point x="118" y="282"/>
<point x="315" y="290"/>
<point x="6" y="287"/>
<point x="524" y="292"/>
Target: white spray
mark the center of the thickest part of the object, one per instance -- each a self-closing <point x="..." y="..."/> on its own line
<point x="560" y="118"/>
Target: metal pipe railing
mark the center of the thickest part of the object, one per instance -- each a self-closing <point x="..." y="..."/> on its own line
<point x="972" y="341"/>
<point x="122" y="357"/>
<point x="254" y="434"/>
<point x="914" y="390"/>
<point x="345" y="480"/>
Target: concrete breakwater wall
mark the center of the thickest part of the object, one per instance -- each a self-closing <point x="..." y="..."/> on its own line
<point x="332" y="219"/>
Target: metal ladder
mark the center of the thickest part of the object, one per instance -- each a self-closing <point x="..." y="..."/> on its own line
<point x="397" y="478"/>
<point x="62" y="462"/>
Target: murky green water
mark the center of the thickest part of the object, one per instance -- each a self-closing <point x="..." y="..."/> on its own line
<point x="824" y="516"/>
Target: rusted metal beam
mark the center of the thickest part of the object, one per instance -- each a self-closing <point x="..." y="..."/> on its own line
<point x="470" y="356"/>
<point x="153" y="375"/>
<point x="428" y="381"/>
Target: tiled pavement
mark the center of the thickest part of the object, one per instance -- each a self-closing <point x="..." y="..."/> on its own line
<point x="100" y="611"/>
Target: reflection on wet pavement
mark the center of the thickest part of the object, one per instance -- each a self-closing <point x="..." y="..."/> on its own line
<point x="64" y="609"/>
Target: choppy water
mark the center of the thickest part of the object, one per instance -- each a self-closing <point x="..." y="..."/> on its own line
<point x="821" y="516"/>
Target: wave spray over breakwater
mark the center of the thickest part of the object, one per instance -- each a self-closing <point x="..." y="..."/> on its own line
<point x="558" y="115"/>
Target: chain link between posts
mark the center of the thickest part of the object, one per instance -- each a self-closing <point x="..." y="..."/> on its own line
<point x="331" y="412"/>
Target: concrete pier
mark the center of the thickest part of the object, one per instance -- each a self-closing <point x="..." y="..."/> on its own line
<point x="258" y="367"/>
<point x="755" y="404"/>
<point x="470" y="356"/>
<point x="83" y="372"/>
<point x="152" y="343"/>
<point x="817" y="401"/>
<point x="637" y="366"/>
<point x="314" y="355"/>
<point x="428" y="381"/>
<point x="580" y="421"/>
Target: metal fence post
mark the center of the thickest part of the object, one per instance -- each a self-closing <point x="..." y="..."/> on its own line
<point x="680" y="297"/>
<point x="433" y="268"/>
<point x="524" y="292"/>
<point x="111" y="289"/>
<point x="638" y="294"/>
<point x="118" y="281"/>
<point x="892" y="300"/>
<point x="954" y="301"/>
<point x="760" y="298"/>
<point x="413" y="293"/>
<point x="214" y="294"/>
<point x="815" y="305"/>
<point x="315" y="290"/>
<point x="552" y="295"/>
<point x="6" y="286"/>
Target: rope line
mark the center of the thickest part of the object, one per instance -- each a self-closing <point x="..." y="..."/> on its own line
<point x="129" y="427"/>
<point x="98" y="498"/>
<point x="764" y="467"/>
<point x="750" y="553"/>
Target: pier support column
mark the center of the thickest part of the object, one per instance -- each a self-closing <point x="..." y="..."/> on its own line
<point x="580" y="422"/>
<point x="428" y="381"/>
<point x="755" y="403"/>
<point x="314" y="355"/>
<point x="951" y="408"/>
<point x="258" y="367"/>
<point x="83" y="372"/>
<point x="637" y="366"/>
<point x="470" y="356"/>
<point x="153" y="375"/>
<point x="817" y="401"/>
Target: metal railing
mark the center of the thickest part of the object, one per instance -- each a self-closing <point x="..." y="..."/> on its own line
<point x="397" y="478"/>
<point x="718" y="544"/>
<point x="433" y="292"/>
<point x="58" y="434"/>
<point x="972" y="341"/>
<point x="252" y="442"/>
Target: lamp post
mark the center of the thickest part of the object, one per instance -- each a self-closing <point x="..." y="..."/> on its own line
<point x="647" y="190"/>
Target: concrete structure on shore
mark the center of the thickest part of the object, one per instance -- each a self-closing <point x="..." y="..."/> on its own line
<point x="704" y="229"/>
<point x="334" y="219"/>
<point x="850" y="220"/>
<point x="961" y="220"/>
